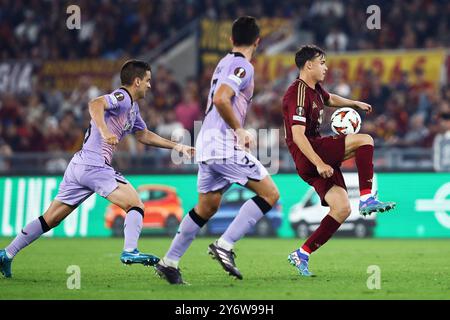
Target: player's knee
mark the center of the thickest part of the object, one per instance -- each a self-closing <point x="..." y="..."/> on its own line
<point x="270" y="195"/>
<point x="366" y="139"/>
<point x="273" y="196"/>
<point x="135" y="204"/>
<point x="206" y="211"/>
<point x="211" y="209"/>
<point x="344" y="211"/>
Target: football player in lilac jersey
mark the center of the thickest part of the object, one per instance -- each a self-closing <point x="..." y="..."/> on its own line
<point x="223" y="160"/>
<point x="114" y="116"/>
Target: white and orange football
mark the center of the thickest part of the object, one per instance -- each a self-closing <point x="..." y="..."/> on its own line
<point x="345" y="121"/>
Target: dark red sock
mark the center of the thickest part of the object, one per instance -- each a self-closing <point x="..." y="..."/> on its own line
<point x="364" y="163"/>
<point x="327" y="228"/>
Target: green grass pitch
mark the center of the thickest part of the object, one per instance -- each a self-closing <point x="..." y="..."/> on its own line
<point x="410" y="269"/>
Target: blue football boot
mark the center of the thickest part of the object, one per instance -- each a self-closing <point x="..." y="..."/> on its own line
<point x="5" y="264"/>
<point x="136" y="257"/>
<point x="300" y="261"/>
<point x="372" y="204"/>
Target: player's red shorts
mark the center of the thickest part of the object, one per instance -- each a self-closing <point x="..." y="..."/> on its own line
<point x="331" y="150"/>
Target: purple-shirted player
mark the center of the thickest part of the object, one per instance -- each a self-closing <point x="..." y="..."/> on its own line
<point x="113" y="117"/>
<point x="220" y="152"/>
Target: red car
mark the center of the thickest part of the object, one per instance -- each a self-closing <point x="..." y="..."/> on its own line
<point x="163" y="211"/>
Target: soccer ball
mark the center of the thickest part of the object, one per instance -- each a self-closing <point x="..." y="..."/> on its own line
<point x="345" y="121"/>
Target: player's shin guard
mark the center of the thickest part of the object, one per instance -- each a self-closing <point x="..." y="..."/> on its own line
<point x="187" y="232"/>
<point x="132" y="228"/>
<point x="327" y="228"/>
<point x="249" y="214"/>
<point x="31" y="232"/>
<point x="364" y="163"/>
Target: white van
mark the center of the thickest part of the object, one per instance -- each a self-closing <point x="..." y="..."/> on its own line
<point x="305" y="216"/>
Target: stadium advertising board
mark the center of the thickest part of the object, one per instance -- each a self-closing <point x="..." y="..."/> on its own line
<point x="422" y="205"/>
<point x="388" y="65"/>
<point x="65" y="75"/>
<point x="16" y="76"/>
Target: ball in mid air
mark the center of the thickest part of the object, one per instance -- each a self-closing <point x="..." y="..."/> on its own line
<point x="345" y="121"/>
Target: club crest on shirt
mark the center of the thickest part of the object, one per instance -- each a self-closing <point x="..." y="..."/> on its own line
<point x="119" y="96"/>
<point x="314" y="105"/>
<point x="239" y="72"/>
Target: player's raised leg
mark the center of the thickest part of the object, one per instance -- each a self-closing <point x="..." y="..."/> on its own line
<point x="337" y="199"/>
<point x="361" y="146"/>
<point x="208" y="204"/>
<point x="249" y="214"/>
<point x="126" y="197"/>
<point x="56" y="212"/>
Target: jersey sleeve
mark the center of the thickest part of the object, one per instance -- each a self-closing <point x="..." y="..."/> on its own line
<point x="116" y="101"/>
<point x="238" y="76"/>
<point x="139" y="124"/>
<point x="297" y="106"/>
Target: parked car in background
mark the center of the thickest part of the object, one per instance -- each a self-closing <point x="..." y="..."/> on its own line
<point x="232" y="201"/>
<point x="163" y="211"/>
<point x="306" y="215"/>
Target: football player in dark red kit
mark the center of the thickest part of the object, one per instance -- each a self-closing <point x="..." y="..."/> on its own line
<point x="318" y="159"/>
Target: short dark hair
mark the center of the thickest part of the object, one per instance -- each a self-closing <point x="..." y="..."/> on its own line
<point x="306" y="53"/>
<point x="132" y="69"/>
<point x="244" y="31"/>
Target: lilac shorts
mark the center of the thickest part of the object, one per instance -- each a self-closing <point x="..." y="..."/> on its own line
<point x="217" y="174"/>
<point x="80" y="181"/>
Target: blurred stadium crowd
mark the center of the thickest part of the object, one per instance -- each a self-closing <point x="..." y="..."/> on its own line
<point x="406" y="112"/>
<point x="36" y="28"/>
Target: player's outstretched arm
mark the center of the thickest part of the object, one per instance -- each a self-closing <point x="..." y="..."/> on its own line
<point x="338" y="101"/>
<point x="298" y="135"/>
<point x="152" y="139"/>
<point x="97" y="111"/>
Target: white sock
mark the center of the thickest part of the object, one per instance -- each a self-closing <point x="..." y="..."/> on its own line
<point x="224" y="244"/>
<point x="9" y="255"/>
<point x="304" y="252"/>
<point x="129" y="250"/>
<point x="170" y="263"/>
<point x="365" y="197"/>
